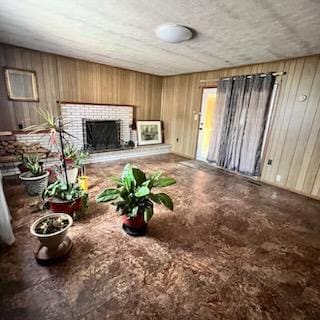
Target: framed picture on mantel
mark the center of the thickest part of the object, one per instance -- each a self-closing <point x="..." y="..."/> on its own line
<point x="149" y="132"/>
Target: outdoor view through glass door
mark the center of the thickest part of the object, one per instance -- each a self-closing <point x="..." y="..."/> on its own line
<point x="208" y="106"/>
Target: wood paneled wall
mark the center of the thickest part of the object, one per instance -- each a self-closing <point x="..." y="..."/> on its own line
<point x="294" y="135"/>
<point x="66" y="79"/>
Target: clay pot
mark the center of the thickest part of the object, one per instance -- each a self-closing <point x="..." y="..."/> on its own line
<point x="53" y="240"/>
<point x="69" y="207"/>
<point x="135" y="226"/>
<point x="34" y="185"/>
<point x="69" y="162"/>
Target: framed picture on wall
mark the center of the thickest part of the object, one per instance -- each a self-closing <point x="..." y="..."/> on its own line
<point x="149" y="132"/>
<point x="21" y="84"/>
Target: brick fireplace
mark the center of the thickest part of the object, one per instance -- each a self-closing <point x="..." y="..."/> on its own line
<point x="79" y="118"/>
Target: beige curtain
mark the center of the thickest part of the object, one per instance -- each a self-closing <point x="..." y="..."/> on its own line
<point x="240" y="122"/>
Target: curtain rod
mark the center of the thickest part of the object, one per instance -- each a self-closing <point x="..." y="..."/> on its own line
<point x="276" y="74"/>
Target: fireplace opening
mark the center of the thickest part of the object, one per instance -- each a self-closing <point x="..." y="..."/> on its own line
<point x="101" y="135"/>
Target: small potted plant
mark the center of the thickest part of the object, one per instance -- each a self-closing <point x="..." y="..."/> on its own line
<point x="35" y="179"/>
<point x="51" y="230"/>
<point x="70" y="153"/>
<point x="74" y="159"/>
<point x="62" y="197"/>
<point x="133" y="198"/>
<point x="22" y="166"/>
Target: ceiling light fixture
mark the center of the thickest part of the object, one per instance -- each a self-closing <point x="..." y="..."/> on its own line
<point x="173" y="33"/>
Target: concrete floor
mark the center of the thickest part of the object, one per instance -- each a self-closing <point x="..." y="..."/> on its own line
<point x="230" y="250"/>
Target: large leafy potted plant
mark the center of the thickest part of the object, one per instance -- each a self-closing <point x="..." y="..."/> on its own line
<point x="62" y="197"/>
<point x="134" y="197"/>
<point x="35" y="179"/>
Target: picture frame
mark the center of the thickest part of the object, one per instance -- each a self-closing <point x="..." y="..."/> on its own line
<point x="149" y="132"/>
<point x="21" y="84"/>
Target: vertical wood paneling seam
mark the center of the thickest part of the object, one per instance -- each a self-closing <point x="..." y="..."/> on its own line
<point x="291" y="111"/>
<point x="304" y="115"/>
<point x="301" y="123"/>
<point x="314" y="181"/>
<point x="318" y="137"/>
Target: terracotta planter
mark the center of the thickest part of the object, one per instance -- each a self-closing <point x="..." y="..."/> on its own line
<point x="69" y="162"/>
<point x="69" y="207"/>
<point x="135" y="226"/>
<point x="34" y="185"/>
<point x="51" y="241"/>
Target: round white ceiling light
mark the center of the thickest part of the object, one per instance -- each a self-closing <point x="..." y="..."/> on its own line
<point x="173" y="33"/>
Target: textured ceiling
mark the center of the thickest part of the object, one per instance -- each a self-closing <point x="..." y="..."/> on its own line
<point x="121" y="32"/>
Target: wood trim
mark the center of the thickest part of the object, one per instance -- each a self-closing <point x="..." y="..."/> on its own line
<point x="97" y="104"/>
<point x="182" y="155"/>
<point x="305" y="194"/>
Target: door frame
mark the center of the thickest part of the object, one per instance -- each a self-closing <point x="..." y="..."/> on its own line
<point x="199" y="115"/>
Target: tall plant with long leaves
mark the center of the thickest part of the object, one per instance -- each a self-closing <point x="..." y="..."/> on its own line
<point x="55" y="126"/>
<point x="134" y="194"/>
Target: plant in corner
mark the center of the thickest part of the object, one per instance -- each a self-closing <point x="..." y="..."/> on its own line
<point x="35" y="179"/>
<point x="133" y="197"/>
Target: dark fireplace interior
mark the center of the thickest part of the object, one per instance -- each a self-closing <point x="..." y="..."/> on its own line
<point x="101" y="135"/>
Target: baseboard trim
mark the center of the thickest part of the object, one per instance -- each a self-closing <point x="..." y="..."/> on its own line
<point x="182" y="155"/>
<point x="291" y="190"/>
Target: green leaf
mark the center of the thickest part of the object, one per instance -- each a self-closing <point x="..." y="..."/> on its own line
<point x="147" y="214"/>
<point x="134" y="212"/>
<point x="142" y="191"/>
<point x="165" y="200"/>
<point x="127" y="177"/>
<point x="154" y="198"/>
<point x="116" y="180"/>
<point x="154" y="178"/>
<point x="156" y="175"/>
<point x="68" y="196"/>
<point x="108" y="195"/>
<point x="164" y="182"/>
<point x="139" y="176"/>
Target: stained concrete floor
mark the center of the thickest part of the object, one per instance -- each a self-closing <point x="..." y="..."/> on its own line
<point x="230" y="250"/>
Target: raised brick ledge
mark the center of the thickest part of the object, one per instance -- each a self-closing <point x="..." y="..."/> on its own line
<point x="140" y="151"/>
<point x="9" y="169"/>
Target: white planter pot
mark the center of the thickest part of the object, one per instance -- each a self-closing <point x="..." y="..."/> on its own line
<point x="72" y="175"/>
<point x="53" y="240"/>
<point x="34" y="185"/>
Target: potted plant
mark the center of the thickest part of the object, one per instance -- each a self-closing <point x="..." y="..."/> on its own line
<point x="74" y="159"/>
<point x="22" y="166"/>
<point x="70" y="153"/>
<point x="68" y="198"/>
<point x="133" y="198"/>
<point x="51" y="231"/>
<point x="35" y="179"/>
